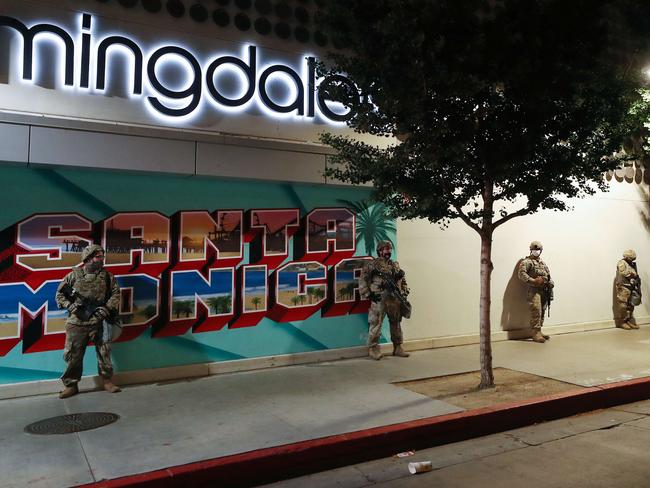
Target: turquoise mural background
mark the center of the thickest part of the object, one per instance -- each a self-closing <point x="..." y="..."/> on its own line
<point x="97" y="194"/>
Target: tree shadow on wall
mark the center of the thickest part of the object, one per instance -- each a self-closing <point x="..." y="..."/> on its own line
<point x="515" y="316"/>
<point x="644" y="214"/>
<point x="644" y="211"/>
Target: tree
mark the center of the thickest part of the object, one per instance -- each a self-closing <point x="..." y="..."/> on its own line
<point x="500" y="108"/>
<point x="256" y="301"/>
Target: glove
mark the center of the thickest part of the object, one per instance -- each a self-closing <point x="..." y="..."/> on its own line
<point x="399" y="275"/>
<point x="539" y="281"/>
<point x="101" y="313"/>
<point x="375" y="297"/>
<point x="73" y="307"/>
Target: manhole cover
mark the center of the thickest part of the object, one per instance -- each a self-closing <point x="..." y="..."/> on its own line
<point x="74" y="422"/>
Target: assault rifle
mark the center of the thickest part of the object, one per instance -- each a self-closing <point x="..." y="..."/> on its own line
<point x="547" y="296"/>
<point x="86" y="308"/>
<point x="635" y="291"/>
<point x="111" y="326"/>
<point x="392" y="288"/>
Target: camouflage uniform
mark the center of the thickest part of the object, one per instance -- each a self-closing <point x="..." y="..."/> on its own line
<point x="626" y="273"/>
<point x="530" y="268"/>
<point x="372" y="285"/>
<point x="78" y="333"/>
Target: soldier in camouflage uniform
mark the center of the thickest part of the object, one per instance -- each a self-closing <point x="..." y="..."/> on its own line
<point x="373" y="286"/>
<point x="97" y="286"/>
<point x="627" y="279"/>
<point x="534" y="272"/>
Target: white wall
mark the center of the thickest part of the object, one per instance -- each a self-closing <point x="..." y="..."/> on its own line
<point x="581" y="248"/>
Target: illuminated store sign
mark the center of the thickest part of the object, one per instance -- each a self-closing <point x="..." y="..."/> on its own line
<point x="87" y="66"/>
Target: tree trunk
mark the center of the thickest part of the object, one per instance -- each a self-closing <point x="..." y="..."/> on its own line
<point x="487" y="377"/>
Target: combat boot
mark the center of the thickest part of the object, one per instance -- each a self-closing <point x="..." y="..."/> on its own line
<point x="625" y="326"/>
<point x="538" y="337"/>
<point x="374" y="353"/>
<point x="545" y="336"/>
<point x="69" y="391"/>
<point x="399" y="352"/>
<point x="632" y="325"/>
<point x="110" y="387"/>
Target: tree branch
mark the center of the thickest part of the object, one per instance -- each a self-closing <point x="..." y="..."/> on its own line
<point x="518" y="213"/>
<point x="467" y="220"/>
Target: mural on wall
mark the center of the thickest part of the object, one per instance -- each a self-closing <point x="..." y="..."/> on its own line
<point x="186" y="272"/>
<point x="205" y="275"/>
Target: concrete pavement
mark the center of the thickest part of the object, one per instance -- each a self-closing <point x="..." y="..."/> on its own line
<point x="175" y="423"/>
<point x="607" y="448"/>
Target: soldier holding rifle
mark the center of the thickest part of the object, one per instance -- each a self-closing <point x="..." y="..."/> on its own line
<point x="382" y="281"/>
<point x="91" y="295"/>
<point x="628" y="290"/>
<point x="534" y="272"/>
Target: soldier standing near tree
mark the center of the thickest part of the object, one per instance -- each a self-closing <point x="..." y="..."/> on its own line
<point x="91" y="295"/>
<point x="534" y="272"/>
<point x="382" y="281"/>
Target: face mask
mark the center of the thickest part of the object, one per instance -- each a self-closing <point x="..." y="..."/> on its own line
<point x="386" y="254"/>
<point x="535" y="253"/>
<point x="94" y="266"/>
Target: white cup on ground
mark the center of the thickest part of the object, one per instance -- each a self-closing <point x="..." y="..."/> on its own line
<point x="421" y="467"/>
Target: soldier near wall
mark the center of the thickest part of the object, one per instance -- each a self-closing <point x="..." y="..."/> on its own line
<point x="628" y="291"/>
<point x="383" y="282"/>
<point x="91" y="295"/>
<point x="535" y="273"/>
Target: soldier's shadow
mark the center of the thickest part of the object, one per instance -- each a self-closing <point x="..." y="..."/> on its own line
<point x="514" y="312"/>
<point x="617" y="320"/>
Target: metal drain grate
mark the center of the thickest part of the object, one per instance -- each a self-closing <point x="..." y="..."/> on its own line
<point x="74" y="422"/>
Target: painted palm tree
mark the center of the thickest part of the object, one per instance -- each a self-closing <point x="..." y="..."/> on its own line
<point x="187" y="307"/>
<point x="319" y="293"/>
<point x="220" y="304"/>
<point x="295" y="299"/>
<point x="215" y="304"/>
<point x="177" y="308"/>
<point x="256" y="301"/>
<point x="373" y="223"/>
<point x="226" y="304"/>
<point x="310" y="293"/>
<point x="349" y="290"/>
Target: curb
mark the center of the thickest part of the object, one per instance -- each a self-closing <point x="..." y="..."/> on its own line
<point x="301" y="458"/>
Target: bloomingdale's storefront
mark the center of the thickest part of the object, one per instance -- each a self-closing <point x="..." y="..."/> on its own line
<point x="191" y="159"/>
<point x="182" y="136"/>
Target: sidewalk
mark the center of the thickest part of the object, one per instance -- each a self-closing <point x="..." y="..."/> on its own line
<point x="176" y="423"/>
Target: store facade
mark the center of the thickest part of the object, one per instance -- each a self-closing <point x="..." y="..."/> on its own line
<point x="189" y="150"/>
<point x="194" y="162"/>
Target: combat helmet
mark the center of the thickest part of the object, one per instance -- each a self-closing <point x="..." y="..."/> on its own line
<point x="536" y="245"/>
<point x="382" y="244"/>
<point x="629" y="254"/>
<point x="90" y="251"/>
